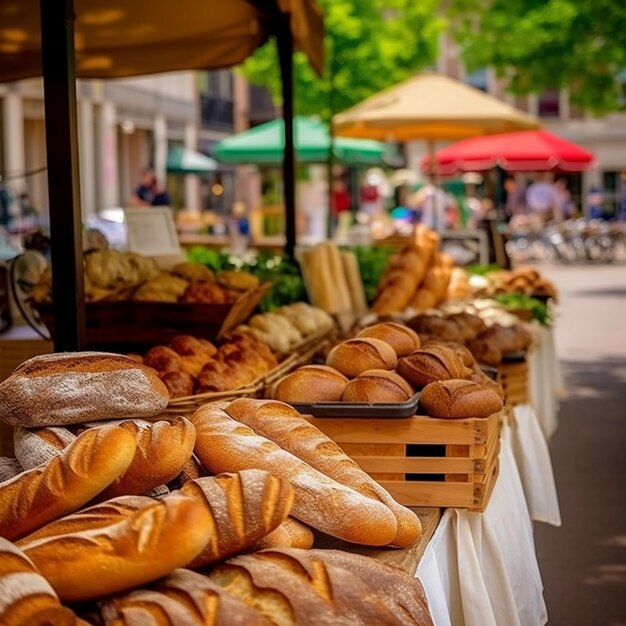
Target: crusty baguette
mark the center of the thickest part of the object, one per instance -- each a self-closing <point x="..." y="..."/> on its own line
<point x="76" y="387"/>
<point x="34" y="447"/>
<point x="339" y="284"/>
<point x="354" y="282"/>
<point x="26" y="597"/>
<point x="290" y="534"/>
<point x="82" y="564"/>
<point x="65" y="483"/>
<point x="286" y="427"/>
<point x="244" y="507"/>
<point x="9" y="468"/>
<point x="225" y="445"/>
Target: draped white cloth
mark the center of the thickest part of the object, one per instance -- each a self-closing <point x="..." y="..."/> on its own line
<point x="480" y="569"/>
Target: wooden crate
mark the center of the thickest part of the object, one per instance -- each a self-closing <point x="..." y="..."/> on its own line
<point x="424" y="461"/>
<point x="515" y="382"/>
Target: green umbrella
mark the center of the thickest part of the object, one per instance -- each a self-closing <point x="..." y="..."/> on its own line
<point x="264" y="145"/>
<point x="185" y="161"/>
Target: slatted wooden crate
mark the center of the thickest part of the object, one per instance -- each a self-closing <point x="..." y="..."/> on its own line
<point x="514" y="378"/>
<point x="424" y="461"/>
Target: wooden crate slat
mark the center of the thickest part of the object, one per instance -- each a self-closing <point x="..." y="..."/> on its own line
<point x="444" y="494"/>
<point x="416" y="465"/>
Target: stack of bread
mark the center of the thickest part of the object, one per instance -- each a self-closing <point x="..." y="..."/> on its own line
<point x="387" y="363"/>
<point x="416" y="278"/>
<point x="120" y="512"/>
<point x="524" y="280"/>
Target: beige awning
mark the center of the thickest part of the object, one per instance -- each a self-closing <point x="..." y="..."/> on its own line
<point x="116" y="38"/>
<point x="430" y="107"/>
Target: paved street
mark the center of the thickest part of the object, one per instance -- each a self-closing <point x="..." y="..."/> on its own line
<point x="583" y="563"/>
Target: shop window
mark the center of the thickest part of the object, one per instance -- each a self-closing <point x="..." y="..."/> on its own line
<point x="611" y="191"/>
<point x="479" y="79"/>
<point x="549" y="104"/>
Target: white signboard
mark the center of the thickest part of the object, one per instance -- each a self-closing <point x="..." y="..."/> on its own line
<point x="152" y="232"/>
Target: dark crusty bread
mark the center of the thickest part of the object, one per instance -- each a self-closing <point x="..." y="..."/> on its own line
<point x="434" y="361"/>
<point x="9" y="468"/>
<point x="65" y="483"/>
<point x="75" y="387"/>
<point x="87" y="560"/>
<point x="354" y="356"/>
<point x="378" y="386"/>
<point x="485" y="351"/>
<point x="244" y="507"/>
<point x="401" y="338"/>
<point x="459" y="398"/>
<point x="290" y="534"/>
<point x="26" y="597"/>
<point x="311" y="383"/>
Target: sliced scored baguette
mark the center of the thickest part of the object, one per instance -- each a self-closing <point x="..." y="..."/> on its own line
<point x="225" y="445"/>
<point x="65" y="483"/>
<point x="290" y="534"/>
<point x="286" y="427"/>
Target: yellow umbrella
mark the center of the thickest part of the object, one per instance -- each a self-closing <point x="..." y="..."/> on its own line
<point x="116" y="38"/>
<point x="430" y="107"/>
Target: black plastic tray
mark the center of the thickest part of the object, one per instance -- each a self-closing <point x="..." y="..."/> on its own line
<point x="514" y="357"/>
<point x="359" y="409"/>
<point x="492" y="372"/>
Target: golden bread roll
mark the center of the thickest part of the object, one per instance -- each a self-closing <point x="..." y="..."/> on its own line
<point x="432" y="362"/>
<point x="88" y="465"/>
<point x="478" y="376"/>
<point x="378" y="386"/>
<point x="354" y="356"/>
<point x="75" y="387"/>
<point x="85" y="559"/>
<point x="311" y="383"/>
<point x="178" y="384"/>
<point x="34" y="447"/>
<point x="245" y="507"/>
<point x="207" y="293"/>
<point x="290" y="534"/>
<point x="459" y="399"/>
<point x="163" y="360"/>
<point x="26" y="597"/>
<point x="466" y="357"/>
<point x="401" y="338"/>
<point x="163" y="288"/>
<point x="193" y="272"/>
<point x="237" y="279"/>
<point x="485" y="351"/>
<point x="423" y="300"/>
<point x="9" y="468"/>
<point x="226" y="445"/>
<point x="286" y="427"/>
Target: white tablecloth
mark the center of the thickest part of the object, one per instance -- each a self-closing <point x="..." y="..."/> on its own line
<point x="480" y="569"/>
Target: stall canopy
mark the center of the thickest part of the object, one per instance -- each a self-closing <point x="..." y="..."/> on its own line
<point x="264" y="144"/>
<point x="524" y="151"/>
<point x="185" y="161"/>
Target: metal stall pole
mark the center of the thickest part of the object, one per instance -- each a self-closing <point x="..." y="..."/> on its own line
<point x="284" y="42"/>
<point x="59" y="79"/>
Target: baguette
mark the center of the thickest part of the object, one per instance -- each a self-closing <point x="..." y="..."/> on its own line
<point x="286" y="427"/>
<point x="225" y="445"/>
<point x="9" y="468"/>
<point x="34" y="447"/>
<point x="354" y="282"/>
<point x="290" y="534"/>
<point x="26" y="597"/>
<point x="87" y="561"/>
<point x="244" y="508"/>
<point x="65" y="483"/>
<point x="76" y="387"/>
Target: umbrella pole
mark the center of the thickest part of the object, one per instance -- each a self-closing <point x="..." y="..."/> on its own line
<point x="59" y="79"/>
<point x="285" y="56"/>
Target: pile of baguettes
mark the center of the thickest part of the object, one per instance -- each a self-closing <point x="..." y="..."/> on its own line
<point x="118" y="523"/>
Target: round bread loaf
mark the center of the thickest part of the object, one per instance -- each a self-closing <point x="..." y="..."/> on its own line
<point x="77" y="387"/>
<point x="378" y="386"/>
<point x="435" y="361"/>
<point x="401" y="338"/>
<point x="459" y="399"/>
<point x="311" y="383"/>
<point x="485" y="351"/>
<point x="354" y="356"/>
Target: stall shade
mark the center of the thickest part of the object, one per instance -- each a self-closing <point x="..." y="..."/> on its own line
<point x="110" y="38"/>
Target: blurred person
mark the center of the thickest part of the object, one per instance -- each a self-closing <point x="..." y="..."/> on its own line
<point x="542" y="200"/>
<point x="148" y="192"/>
<point x="432" y="204"/>
<point x="621" y="209"/>
<point x="565" y="204"/>
<point x="341" y="200"/>
<point x="514" y="198"/>
<point x="594" y="201"/>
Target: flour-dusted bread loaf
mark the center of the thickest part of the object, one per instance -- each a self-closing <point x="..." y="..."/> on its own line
<point x="290" y="534"/>
<point x="245" y="507"/>
<point x="459" y="399"/>
<point x="182" y="599"/>
<point x="304" y="588"/>
<point x="75" y="387"/>
<point x="9" y="468"/>
<point x="226" y="445"/>
<point x="26" y="597"/>
<point x="284" y="426"/>
<point x="34" y="447"/>
<point x="69" y="480"/>
<point x="84" y="559"/>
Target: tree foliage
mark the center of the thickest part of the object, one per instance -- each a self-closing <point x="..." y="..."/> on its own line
<point x="370" y="45"/>
<point x="542" y="44"/>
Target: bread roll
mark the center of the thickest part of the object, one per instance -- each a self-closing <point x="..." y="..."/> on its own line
<point x="75" y="387"/>
<point x="401" y="338"/>
<point x="26" y="597"/>
<point x="290" y="534"/>
<point x="428" y="364"/>
<point x="163" y="448"/>
<point x="354" y="356"/>
<point x="225" y="445"/>
<point x="9" y="468"/>
<point x="85" y="561"/>
<point x="311" y="383"/>
<point x="34" y="447"/>
<point x="65" y="483"/>
<point x="178" y="384"/>
<point x="379" y="386"/>
<point x="458" y="399"/>
<point x="286" y="427"/>
<point x="245" y="507"/>
<point x="485" y="352"/>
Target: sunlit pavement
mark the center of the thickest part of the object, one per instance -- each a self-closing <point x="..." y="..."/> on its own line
<point x="583" y="563"/>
